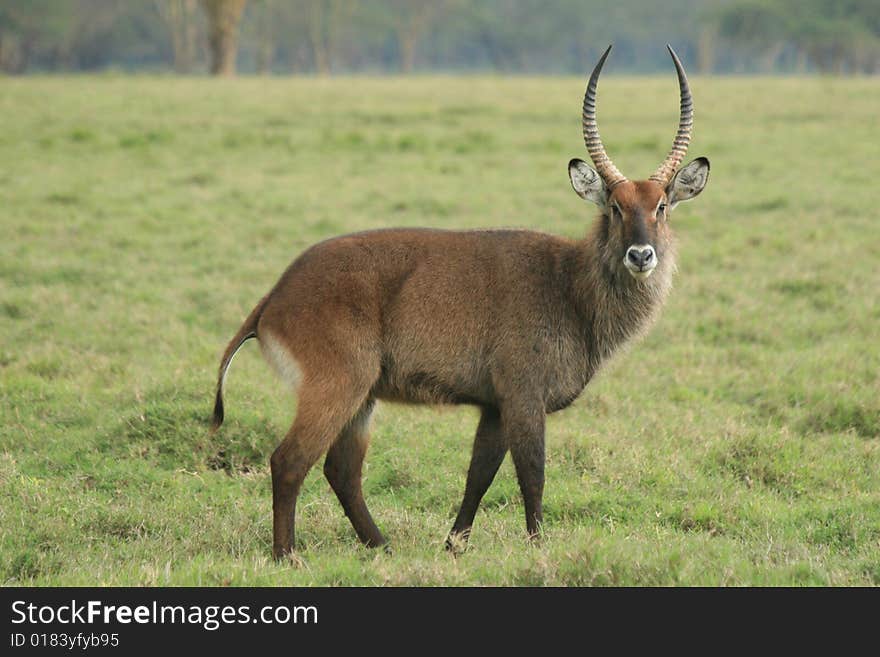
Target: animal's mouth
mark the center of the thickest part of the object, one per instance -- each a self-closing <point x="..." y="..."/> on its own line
<point x="640" y="268"/>
<point x="641" y="274"/>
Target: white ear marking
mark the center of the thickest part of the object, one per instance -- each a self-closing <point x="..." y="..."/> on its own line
<point x="586" y="182"/>
<point x="688" y="182"/>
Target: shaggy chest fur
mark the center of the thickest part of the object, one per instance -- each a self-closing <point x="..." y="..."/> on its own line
<point x="614" y="310"/>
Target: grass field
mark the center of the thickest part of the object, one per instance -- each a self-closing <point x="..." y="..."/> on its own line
<point x="143" y="218"/>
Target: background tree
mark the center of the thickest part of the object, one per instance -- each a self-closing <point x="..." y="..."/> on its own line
<point x="324" y="21"/>
<point x="181" y="17"/>
<point x="706" y="49"/>
<point x="58" y="35"/>
<point x="834" y="36"/>
<point x="22" y="24"/>
<point x="223" y="21"/>
<point x="411" y="19"/>
<point x="265" y="18"/>
<point x="760" y="28"/>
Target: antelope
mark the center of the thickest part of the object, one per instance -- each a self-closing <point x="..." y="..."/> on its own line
<point x="514" y="322"/>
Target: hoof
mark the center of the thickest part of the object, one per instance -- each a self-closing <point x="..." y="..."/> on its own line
<point x="457" y="542"/>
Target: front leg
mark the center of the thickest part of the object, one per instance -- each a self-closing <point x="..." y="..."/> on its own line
<point x="523" y="428"/>
<point x="488" y="453"/>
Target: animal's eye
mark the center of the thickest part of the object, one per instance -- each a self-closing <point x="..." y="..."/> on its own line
<point x="661" y="208"/>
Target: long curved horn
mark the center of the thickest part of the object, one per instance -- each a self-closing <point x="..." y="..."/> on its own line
<point x="685" y="125"/>
<point x="604" y="166"/>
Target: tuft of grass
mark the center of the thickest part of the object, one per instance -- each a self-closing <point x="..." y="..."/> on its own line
<point x="841" y="416"/>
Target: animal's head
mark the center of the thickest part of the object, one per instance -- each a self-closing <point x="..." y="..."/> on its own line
<point x="637" y="212"/>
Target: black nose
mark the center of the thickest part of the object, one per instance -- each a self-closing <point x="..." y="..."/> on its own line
<point x="640" y="256"/>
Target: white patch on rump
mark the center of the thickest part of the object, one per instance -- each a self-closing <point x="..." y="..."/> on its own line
<point x="281" y="360"/>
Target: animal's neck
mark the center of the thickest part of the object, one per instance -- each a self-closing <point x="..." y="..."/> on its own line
<point x="614" y="306"/>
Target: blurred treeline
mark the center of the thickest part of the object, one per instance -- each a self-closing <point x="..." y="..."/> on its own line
<point x="530" y="36"/>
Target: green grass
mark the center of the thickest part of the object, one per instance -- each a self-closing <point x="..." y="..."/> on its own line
<point x="143" y="218"/>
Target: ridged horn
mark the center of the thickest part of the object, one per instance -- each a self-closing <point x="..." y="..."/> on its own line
<point x="604" y="166"/>
<point x="685" y="125"/>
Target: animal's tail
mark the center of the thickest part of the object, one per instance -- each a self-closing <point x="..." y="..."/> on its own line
<point x="247" y="331"/>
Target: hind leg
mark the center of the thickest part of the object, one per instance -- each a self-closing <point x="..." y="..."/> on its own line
<point x="319" y="420"/>
<point x="343" y="470"/>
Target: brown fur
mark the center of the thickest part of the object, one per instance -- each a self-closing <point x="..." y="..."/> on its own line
<point x="514" y="322"/>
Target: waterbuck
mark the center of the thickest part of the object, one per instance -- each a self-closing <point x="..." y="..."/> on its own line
<point x="513" y="322"/>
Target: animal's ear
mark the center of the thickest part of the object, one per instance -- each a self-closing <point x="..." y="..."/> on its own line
<point x="586" y="182"/>
<point x="688" y="182"/>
